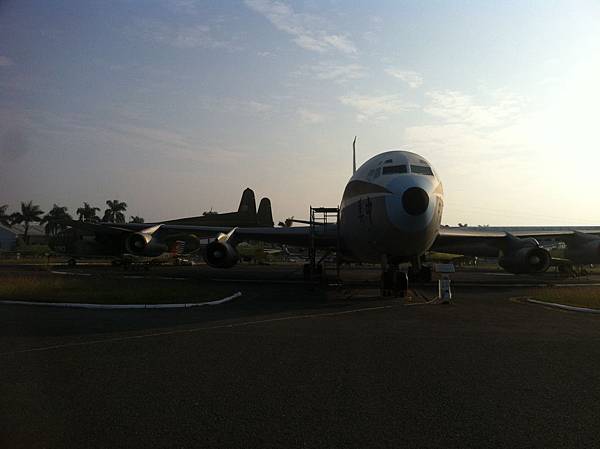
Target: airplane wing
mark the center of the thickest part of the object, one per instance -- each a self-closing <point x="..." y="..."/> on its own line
<point x="458" y="237"/>
<point x="485" y="243"/>
<point x="110" y="229"/>
<point x="295" y="236"/>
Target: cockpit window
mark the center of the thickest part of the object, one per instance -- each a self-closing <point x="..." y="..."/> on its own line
<point x="391" y="169"/>
<point x="421" y="170"/>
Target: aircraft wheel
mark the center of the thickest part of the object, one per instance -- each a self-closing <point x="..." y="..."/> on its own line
<point x="387" y="283"/>
<point x="306" y="272"/>
<point x="319" y="270"/>
<point x="426" y="274"/>
<point x="401" y="284"/>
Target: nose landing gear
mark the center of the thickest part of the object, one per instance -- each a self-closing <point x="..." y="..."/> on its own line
<point x="394" y="282"/>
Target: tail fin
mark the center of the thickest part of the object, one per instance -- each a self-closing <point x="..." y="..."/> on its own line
<point x="354" y="156"/>
<point x="248" y="203"/>
<point x="265" y="215"/>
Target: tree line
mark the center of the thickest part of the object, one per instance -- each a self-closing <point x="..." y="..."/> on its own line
<point x="31" y="213"/>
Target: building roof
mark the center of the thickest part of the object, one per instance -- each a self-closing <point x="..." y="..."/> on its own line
<point x="34" y="229"/>
<point x="6" y="228"/>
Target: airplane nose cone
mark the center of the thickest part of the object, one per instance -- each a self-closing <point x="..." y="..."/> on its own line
<point x="415" y="201"/>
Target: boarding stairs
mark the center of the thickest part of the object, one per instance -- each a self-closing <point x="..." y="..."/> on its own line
<point x="322" y="219"/>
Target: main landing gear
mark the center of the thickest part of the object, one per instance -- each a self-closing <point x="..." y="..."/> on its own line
<point x="310" y="272"/>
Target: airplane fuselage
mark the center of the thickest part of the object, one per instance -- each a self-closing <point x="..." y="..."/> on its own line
<point x="391" y="209"/>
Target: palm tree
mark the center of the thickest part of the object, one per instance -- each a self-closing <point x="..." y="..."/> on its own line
<point x="4" y="218"/>
<point x="29" y="212"/>
<point x="88" y="213"/>
<point x="53" y="218"/>
<point x="136" y="219"/>
<point x="114" y="213"/>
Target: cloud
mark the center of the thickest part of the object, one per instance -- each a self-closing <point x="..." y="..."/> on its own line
<point x="457" y="107"/>
<point x="413" y="79"/>
<point x="332" y="71"/>
<point x="124" y="134"/>
<point x="183" y="6"/>
<point x="471" y="126"/>
<point x="308" y="31"/>
<point x="310" y="117"/>
<point x="13" y="144"/>
<point x="195" y="36"/>
<point x="370" y="36"/>
<point x="5" y="61"/>
<point x="237" y="106"/>
<point x="378" y="107"/>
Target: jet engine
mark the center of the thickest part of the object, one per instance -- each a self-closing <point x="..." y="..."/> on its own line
<point x="220" y="254"/>
<point x="524" y="256"/>
<point x="144" y="244"/>
<point x="585" y="250"/>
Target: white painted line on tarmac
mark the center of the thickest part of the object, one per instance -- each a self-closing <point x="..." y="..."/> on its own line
<point x="75" y="305"/>
<point x="579" y="284"/>
<point x="563" y="306"/>
<point x="511" y="285"/>
<point x="261" y="281"/>
<point x="68" y="273"/>
<point x="197" y="329"/>
<point x="503" y="285"/>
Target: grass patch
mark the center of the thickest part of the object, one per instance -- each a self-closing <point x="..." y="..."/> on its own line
<point x="108" y="291"/>
<point x="571" y="296"/>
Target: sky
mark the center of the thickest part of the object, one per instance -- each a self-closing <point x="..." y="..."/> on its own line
<point x="176" y="106"/>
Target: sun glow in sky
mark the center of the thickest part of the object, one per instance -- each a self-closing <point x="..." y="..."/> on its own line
<point x="176" y="106"/>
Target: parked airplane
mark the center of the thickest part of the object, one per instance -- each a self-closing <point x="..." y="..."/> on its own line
<point x="86" y="240"/>
<point x="390" y="213"/>
<point x="245" y="216"/>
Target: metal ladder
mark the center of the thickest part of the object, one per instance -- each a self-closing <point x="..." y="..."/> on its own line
<point x="320" y="219"/>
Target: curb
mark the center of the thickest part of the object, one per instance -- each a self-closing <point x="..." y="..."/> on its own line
<point x="563" y="306"/>
<point x="75" y="305"/>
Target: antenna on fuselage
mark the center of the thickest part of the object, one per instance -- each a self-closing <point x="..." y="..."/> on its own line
<point x="354" y="156"/>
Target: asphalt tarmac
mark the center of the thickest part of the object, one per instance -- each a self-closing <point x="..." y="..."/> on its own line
<point x="291" y="364"/>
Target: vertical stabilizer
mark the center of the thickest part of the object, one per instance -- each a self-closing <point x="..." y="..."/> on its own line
<point x="354" y="156"/>
<point x="248" y="203"/>
<point x="265" y="215"/>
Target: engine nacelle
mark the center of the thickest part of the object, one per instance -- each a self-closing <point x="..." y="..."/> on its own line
<point x="143" y="244"/>
<point x="526" y="260"/>
<point x="220" y="254"/>
<point x="584" y="253"/>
